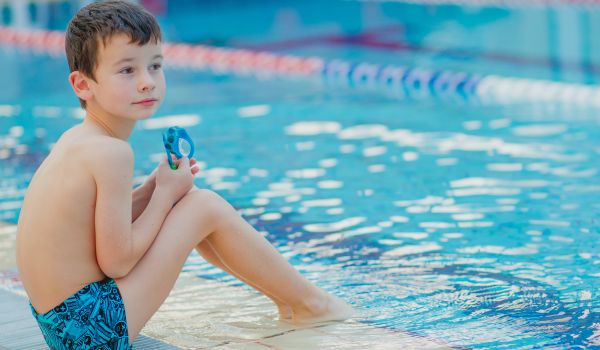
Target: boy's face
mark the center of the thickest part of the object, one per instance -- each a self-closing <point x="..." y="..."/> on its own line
<point x="129" y="78"/>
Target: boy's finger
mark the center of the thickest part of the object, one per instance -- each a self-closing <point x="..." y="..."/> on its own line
<point x="184" y="163"/>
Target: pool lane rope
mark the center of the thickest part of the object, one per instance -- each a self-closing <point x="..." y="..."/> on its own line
<point x="402" y="81"/>
<point x="578" y="4"/>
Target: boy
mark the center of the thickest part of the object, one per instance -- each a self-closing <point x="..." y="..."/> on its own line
<point x="97" y="259"/>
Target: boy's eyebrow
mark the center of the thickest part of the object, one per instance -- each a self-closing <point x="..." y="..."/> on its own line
<point x="129" y="59"/>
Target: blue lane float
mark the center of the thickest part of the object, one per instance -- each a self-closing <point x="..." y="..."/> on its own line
<point x="405" y="81"/>
<point x="417" y="83"/>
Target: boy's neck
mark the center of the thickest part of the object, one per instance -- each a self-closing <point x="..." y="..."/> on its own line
<point x="112" y="126"/>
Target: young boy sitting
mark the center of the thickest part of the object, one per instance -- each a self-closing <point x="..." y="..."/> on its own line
<point x="98" y="259"/>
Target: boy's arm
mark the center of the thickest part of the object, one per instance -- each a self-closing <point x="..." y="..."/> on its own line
<point x="120" y="244"/>
<point x="140" y="197"/>
<point x="143" y="193"/>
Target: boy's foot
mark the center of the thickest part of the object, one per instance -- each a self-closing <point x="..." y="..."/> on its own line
<point x="330" y="308"/>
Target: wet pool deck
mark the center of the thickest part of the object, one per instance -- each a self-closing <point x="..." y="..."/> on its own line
<point x="203" y="314"/>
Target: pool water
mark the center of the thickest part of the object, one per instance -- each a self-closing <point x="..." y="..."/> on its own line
<point x="477" y="225"/>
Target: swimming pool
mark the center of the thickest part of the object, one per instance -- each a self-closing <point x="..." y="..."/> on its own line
<point x="476" y="224"/>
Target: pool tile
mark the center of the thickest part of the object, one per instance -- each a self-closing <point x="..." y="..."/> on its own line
<point x="350" y="337"/>
<point x="244" y="346"/>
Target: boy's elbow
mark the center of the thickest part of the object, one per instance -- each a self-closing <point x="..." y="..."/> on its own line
<point x="114" y="272"/>
<point x="115" y="268"/>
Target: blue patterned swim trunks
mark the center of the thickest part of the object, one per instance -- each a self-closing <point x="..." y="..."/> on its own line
<point x="92" y="318"/>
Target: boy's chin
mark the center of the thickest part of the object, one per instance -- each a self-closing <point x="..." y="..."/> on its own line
<point x="144" y="115"/>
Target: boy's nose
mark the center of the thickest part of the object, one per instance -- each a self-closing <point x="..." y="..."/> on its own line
<point x="146" y="83"/>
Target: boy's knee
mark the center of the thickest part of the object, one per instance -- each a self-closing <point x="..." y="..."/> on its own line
<point x="209" y="200"/>
<point x="202" y="194"/>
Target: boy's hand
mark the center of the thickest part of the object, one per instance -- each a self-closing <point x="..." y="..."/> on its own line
<point x="150" y="181"/>
<point x="175" y="182"/>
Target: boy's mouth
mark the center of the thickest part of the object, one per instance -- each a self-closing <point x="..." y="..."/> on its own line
<point x="146" y="102"/>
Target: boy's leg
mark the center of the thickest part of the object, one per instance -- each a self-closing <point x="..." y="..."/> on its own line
<point x="149" y="283"/>
<point x="209" y="254"/>
<point x="252" y="258"/>
<point x="202" y="215"/>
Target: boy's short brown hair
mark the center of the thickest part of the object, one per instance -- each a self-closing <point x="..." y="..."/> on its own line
<point x="98" y="22"/>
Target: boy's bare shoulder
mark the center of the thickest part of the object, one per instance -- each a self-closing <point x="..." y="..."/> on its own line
<point x="103" y="153"/>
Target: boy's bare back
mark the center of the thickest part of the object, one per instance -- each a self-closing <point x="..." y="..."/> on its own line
<point x="56" y="242"/>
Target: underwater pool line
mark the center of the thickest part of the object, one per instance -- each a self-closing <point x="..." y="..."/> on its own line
<point x="401" y="81"/>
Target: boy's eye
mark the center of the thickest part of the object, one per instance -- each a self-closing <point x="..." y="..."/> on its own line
<point x="127" y="70"/>
<point x="156" y="66"/>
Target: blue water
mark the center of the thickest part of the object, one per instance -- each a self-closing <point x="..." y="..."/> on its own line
<point x="476" y="225"/>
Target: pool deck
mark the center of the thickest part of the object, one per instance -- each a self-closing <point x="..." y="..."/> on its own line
<point x="194" y="316"/>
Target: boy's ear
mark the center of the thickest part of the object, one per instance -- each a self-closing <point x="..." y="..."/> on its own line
<point x="80" y="85"/>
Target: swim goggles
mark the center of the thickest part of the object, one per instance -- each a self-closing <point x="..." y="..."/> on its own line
<point x="178" y="142"/>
